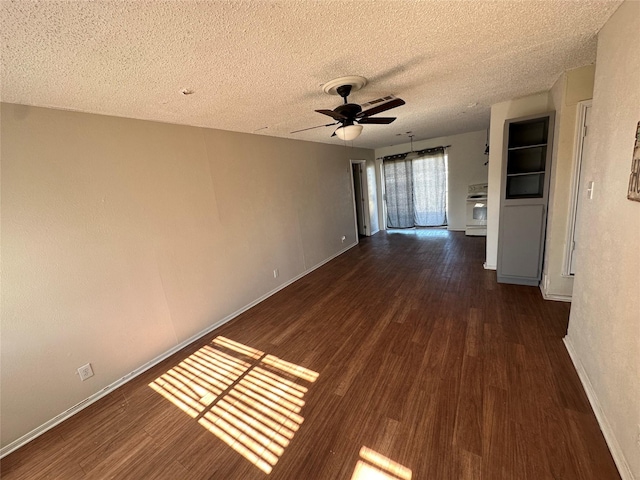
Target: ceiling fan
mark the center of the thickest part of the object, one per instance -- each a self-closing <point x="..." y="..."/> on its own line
<point x="351" y="116"/>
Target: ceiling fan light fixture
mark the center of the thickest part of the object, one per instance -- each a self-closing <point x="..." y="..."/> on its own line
<point x="349" y="132"/>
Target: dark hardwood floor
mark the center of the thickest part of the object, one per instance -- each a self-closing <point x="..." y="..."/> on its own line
<point x="401" y="359"/>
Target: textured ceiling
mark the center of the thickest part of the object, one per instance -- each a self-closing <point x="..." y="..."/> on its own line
<point x="258" y="66"/>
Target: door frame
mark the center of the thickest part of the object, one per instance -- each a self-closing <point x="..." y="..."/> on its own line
<point x="365" y="201"/>
<point x="580" y="138"/>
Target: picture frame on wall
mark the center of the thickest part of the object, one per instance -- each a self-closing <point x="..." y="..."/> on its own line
<point x="634" y="178"/>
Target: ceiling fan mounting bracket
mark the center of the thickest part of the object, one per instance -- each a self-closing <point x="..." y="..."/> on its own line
<point x="354" y="81"/>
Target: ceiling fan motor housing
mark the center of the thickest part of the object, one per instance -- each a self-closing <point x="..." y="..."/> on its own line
<point x="349" y="110"/>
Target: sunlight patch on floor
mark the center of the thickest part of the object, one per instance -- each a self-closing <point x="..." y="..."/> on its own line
<point x="373" y="466"/>
<point x="248" y="399"/>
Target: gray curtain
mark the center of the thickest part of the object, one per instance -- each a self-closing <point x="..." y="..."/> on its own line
<point x="398" y="177"/>
<point x="416" y="190"/>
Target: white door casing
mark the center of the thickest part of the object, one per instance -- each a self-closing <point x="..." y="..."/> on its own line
<point x="577" y="187"/>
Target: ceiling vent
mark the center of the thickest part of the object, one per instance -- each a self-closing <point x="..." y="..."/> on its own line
<point x="377" y="101"/>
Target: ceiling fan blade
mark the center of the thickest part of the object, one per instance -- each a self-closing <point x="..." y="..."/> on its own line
<point x="332" y="114"/>
<point x="396" y="102"/>
<point x="317" y="126"/>
<point x="376" y="120"/>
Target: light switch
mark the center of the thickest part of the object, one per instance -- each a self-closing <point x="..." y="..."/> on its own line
<point x="590" y="190"/>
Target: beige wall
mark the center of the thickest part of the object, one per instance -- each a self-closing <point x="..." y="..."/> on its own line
<point x="466" y="166"/>
<point x="604" y="328"/>
<point x="572" y="87"/>
<point x="123" y="238"/>
<point x="519" y="107"/>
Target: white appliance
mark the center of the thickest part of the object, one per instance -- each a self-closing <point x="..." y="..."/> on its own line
<point x="477" y="210"/>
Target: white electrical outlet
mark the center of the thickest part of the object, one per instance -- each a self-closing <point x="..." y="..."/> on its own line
<point x="343" y="238"/>
<point x="276" y="273"/>
<point x="85" y="372"/>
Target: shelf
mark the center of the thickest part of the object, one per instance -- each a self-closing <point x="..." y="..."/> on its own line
<point x="525" y="173"/>
<point x="526" y="160"/>
<point x="525" y="186"/>
<point x="528" y="133"/>
<point x="511" y="149"/>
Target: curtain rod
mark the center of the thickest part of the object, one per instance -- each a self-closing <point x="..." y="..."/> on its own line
<point x="424" y="150"/>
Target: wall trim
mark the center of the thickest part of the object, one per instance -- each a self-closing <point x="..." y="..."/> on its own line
<point x="554" y="296"/>
<point x="605" y="426"/>
<point x="48" y="425"/>
<point x="489" y="267"/>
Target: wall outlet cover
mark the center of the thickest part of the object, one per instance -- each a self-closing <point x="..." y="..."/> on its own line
<point x="85" y="372"/>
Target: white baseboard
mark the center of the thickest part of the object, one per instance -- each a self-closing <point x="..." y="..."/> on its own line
<point x="605" y="426"/>
<point x="36" y="432"/>
<point x="554" y="296"/>
<point x="489" y="267"/>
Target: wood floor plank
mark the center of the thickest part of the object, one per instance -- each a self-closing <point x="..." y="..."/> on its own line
<point x="567" y="382"/>
<point x="48" y="456"/>
<point x="473" y="339"/>
<point x="33" y="456"/>
<point x="497" y="448"/>
<point x="403" y="352"/>
<point x="469" y="420"/>
<point x="125" y="456"/>
<point x="585" y="434"/>
<point x="470" y="465"/>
